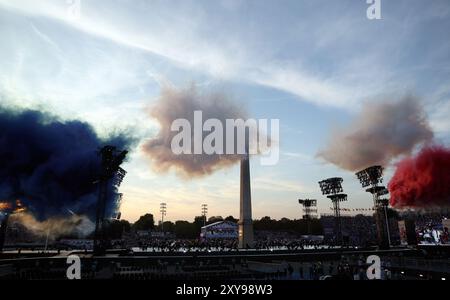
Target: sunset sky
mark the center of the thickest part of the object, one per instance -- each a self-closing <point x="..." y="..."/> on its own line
<point x="311" y="64"/>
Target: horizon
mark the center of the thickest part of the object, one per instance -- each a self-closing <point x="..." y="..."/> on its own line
<point x="108" y="66"/>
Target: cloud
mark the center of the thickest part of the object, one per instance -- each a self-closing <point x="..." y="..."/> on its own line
<point x="317" y="70"/>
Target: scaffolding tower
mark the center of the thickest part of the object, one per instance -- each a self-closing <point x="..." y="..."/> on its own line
<point x="372" y="177"/>
<point x="309" y="211"/>
<point x="332" y="187"/>
<point x="110" y="177"/>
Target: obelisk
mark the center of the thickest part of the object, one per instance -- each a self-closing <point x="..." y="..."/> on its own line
<point x="245" y="217"/>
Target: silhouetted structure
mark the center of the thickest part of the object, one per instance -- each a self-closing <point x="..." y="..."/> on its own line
<point x="10" y="208"/>
<point x="245" y="218"/>
<point x="204" y="213"/>
<point x="333" y="188"/>
<point x="163" y="211"/>
<point x="3" y="224"/>
<point x="309" y="210"/>
<point x="372" y="177"/>
<point x="110" y="174"/>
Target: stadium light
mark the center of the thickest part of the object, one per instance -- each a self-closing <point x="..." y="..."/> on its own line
<point x="332" y="187"/>
<point x="163" y="211"/>
<point x="373" y="176"/>
<point x="110" y="173"/>
<point x="370" y="176"/>
<point x="309" y="207"/>
<point x="309" y="210"/>
<point x="204" y="213"/>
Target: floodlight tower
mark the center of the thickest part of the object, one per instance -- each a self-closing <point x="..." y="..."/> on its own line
<point x="333" y="188"/>
<point x="372" y="177"/>
<point x="309" y="210"/>
<point x="384" y="204"/>
<point x="3" y="224"/>
<point x="163" y="211"/>
<point x="204" y="213"/>
<point x="6" y="210"/>
<point x="111" y="175"/>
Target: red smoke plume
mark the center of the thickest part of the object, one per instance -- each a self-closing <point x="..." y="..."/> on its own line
<point x="422" y="181"/>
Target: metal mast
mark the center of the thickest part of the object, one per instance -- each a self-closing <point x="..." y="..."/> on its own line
<point x="333" y="188"/>
<point x="111" y="175"/>
<point x="372" y="177"/>
<point x="309" y="210"/>
<point x="204" y="213"/>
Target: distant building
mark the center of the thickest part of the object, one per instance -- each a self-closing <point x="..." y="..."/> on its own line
<point x="220" y="230"/>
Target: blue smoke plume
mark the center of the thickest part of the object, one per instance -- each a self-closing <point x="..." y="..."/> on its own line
<point x="52" y="165"/>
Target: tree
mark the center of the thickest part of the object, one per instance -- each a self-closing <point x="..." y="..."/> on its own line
<point x="145" y="222"/>
<point x="169" y="226"/>
<point x="266" y="223"/>
<point x="184" y="229"/>
<point x="199" y="223"/>
<point x="115" y="228"/>
<point x="214" y="219"/>
<point x="231" y="219"/>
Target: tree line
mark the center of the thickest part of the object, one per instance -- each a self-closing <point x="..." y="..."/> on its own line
<point x="191" y="230"/>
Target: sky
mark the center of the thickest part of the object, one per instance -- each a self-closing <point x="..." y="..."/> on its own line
<point x="312" y="64"/>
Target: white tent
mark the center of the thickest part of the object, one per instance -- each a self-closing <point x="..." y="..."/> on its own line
<point x="221" y="230"/>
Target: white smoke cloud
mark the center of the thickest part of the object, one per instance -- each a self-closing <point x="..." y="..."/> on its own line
<point x="176" y="104"/>
<point x="381" y="132"/>
<point x="55" y="227"/>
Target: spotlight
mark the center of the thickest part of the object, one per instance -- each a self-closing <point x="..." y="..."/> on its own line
<point x="309" y="208"/>
<point x="370" y="176"/>
<point x="331" y="186"/>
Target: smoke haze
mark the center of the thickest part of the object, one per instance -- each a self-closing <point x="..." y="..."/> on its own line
<point x="51" y="165"/>
<point x="54" y="227"/>
<point x="381" y="132"/>
<point x="176" y="104"/>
